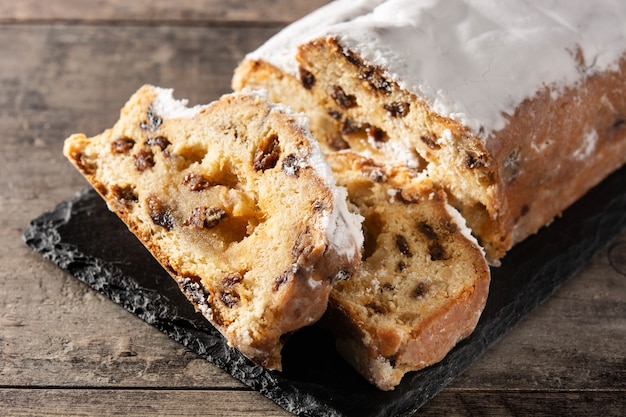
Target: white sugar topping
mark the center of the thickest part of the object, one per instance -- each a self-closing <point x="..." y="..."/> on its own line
<point x="343" y="227"/>
<point x="167" y="107"/>
<point x="462" y="225"/>
<point x="473" y="61"/>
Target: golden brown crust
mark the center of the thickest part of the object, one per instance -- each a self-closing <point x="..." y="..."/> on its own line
<point x="553" y="150"/>
<point x="227" y="202"/>
<point x="422" y="284"/>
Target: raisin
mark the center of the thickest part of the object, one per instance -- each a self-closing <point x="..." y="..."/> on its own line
<point x="349" y="126"/>
<point x="337" y="143"/>
<point x="318" y="205"/>
<point x="160" y="213"/>
<point x="268" y="153"/>
<point x="427" y="230"/>
<point x="397" y="109"/>
<point x="291" y="165"/>
<point x="335" y="114"/>
<point x="191" y="286"/>
<point x="205" y="217"/>
<point x="376" y="307"/>
<point x="144" y="159"/>
<point x="159" y="141"/>
<point x="406" y="197"/>
<point x="387" y="287"/>
<point x="301" y="248"/>
<point x="229" y="281"/>
<point x="403" y="246"/>
<point x="473" y="161"/>
<point x="430" y="142"/>
<point x="86" y="164"/>
<point x="376" y="175"/>
<point x="374" y="79"/>
<point x="196" y="182"/>
<point x="124" y="194"/>
<point x="353" y="58"/>
<point x="376" y="134"/>
<point x="342" y="99"/>
<point x="153" y="123"/>
<point x="419" y="291"/>
<point x="437" y="253"/>
<point x="308" y="79"/>
<point x="281" y="280"/>
<point x="401" y="266"/>
<point x="230" y="298"/>
<point x="122" y="145"/>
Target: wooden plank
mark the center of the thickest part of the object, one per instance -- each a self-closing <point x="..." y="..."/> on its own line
<point x="180" y="12"/>
<point x="63" y="79"/>
<point x="71" y="402"/>
<point x="544" y="403"/>
<point x="57" y="331"/>
<point x="135" y="403"/>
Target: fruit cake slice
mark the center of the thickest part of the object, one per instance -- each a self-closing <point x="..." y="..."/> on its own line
<point x="237" y="203"/>
<point x="423" y="281"/>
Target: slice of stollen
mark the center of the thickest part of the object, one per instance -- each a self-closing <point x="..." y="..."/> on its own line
<point x="237" y="203"/>
<point x="423" y="281"/>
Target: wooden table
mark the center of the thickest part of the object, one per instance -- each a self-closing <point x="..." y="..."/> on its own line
<point x="68" y="66"/>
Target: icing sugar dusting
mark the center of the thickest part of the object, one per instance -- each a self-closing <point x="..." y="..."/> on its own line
<point x="473" y="61"/>
<point x="588" y="145"/>
<point x="166" y="106"/>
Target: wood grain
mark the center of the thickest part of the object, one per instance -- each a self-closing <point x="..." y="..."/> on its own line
<point x="566" y="358"/>
<point x="180" y="12"/>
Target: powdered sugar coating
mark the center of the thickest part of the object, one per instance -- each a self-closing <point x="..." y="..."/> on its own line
<point x="167" y="107"/>
<point x="459" y="220"/>
<point x="473" y="61"/>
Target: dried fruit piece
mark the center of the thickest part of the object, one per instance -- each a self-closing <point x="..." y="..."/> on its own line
<point x="144" y="159"/>
<point x="122" y="145"/>
<point x="160" y="213"/>
<point x="397" y="109"/>
<point x="420" y="290"/>
<point x="430" y="142"/>
<point x="291" y="165"/>
<point x="196" y="182"/>
<point x="307" y="79"/>
<point x="267" y="154"/>
<point x="205" y="217"/>
<point x="403" y="246"/>
<point x="159" y="141"/>
<point x="342" y="99"/>
<point x="228" y="295"/>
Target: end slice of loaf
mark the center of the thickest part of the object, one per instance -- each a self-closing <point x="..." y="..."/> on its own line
<point x="423" y="282"/>
<point x="514" y="130"/>
<point x="237" y="203"/>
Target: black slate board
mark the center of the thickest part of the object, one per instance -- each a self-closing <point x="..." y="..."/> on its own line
<point x="82" y="237"/>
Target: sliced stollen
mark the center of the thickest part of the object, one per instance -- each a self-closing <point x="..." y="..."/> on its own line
<point x="517" y="109"/>
<point x="423" y="281"/>
<point x="237" y="203"/>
